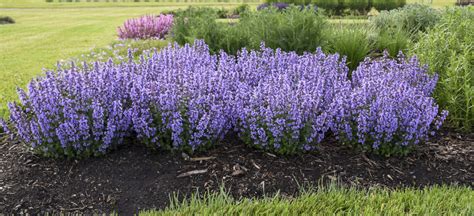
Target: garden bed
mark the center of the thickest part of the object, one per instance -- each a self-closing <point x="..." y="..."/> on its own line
<point x="132" y="178"/>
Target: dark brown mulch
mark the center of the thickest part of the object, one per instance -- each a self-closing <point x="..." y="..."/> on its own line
<point x="133" y="177"/>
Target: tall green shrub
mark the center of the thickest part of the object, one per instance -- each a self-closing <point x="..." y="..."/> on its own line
<point x="291" y="30"/>
<point x="411" y="18"/>
<point x="359" y="5"/>
<point x="386" y="4"/>
<point x="326" y="4"/>
<point x="448" y="49"/>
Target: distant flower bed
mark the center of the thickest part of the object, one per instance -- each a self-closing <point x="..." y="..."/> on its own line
<point x="146" y="27"/>
<point x="186" y="98"/>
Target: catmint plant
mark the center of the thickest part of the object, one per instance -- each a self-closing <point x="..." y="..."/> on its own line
<point x="391" y="107"/>
<point x="180" y="100"/>
<point x="284" y="101"/>
<point x="186" y="98"/>
<point x="75" y="112"/>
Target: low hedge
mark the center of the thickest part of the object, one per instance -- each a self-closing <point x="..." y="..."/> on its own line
<point x="338" y="6"/>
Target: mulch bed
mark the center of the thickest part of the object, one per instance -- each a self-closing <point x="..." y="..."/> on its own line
<point x="133" y="177"/>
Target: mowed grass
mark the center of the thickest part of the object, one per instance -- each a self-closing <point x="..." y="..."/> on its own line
<point x="333" y="200"/>
<point x="102" y="3"/>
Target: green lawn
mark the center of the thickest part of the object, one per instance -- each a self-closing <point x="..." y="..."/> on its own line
<point x="434" y="3"/>
<point x="334" y="200"/>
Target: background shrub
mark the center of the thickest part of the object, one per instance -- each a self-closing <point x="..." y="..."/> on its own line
<point x="201" y="24"/>
<point x="6" y="20"/>
<point x="411" y="18"/>
<point x="329" y="5"/>
<point x="241" y="9"/>
<point x="337" y="7"/>
<point x="386" y="4"/>
<point x="146" y="27"/>
<point x="357" y="5"/>
<point x="293" y="29"/>
<point x="448" y="49"/>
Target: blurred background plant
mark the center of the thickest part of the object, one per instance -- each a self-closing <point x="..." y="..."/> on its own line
<point x="6" y="20"/>
<point x="448" y="49"/>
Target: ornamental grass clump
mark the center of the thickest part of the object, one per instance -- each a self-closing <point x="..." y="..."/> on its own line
<point x="146" y="27"/>
<point x="285" y="102"/>
<point x="391" y="105"/>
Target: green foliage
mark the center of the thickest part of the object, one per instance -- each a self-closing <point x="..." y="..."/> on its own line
<point x="200" y="23"/>
<point x="330" y="200"/>
<point x="327" y="4"/>
<point x="241" y="9"/>
<point x="200" y="11"/>
<point x="448" y="49"/>
<point x="411" y="18"/>
<point x="193" y="21"/>
<point x="359" y="5"/>
<point x="350" y="41"/>
<point x="340" y="6"/>
<point x="393" y="41"/>
<point x="386" y="4"/>
<point x="291" y="30"/>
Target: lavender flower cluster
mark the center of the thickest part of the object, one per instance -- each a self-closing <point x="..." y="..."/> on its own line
<point x="391" y="105"/>
<point x="185" y="98"/>
<point x="286" y="102"/>
<point x="146" y="27"/>
<point x="75" y="112"/>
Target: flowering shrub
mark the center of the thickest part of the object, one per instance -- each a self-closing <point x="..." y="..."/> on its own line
<point x="185" y="98"/>
<point x="72" y="112"/>
<point x="180" y="98"/>
<point x="284" y="101"/>
<point x="391" y="105"/>
<point x="146" y="27"/>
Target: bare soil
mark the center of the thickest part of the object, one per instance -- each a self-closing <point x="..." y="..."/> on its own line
<point x="133" y="177"/>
